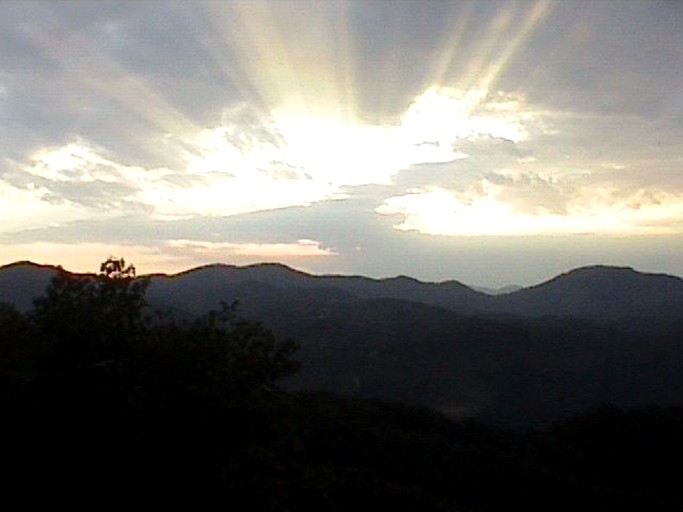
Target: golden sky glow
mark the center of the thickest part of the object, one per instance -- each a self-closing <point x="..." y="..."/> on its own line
<point x="204" y="126"/>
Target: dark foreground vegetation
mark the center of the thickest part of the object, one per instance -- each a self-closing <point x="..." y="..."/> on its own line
<point x="106" y="405"/>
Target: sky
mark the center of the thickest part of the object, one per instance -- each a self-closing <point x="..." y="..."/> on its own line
<point x="490" y="142"/>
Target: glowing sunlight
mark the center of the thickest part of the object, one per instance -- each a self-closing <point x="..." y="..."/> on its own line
<point x="249" y="129"/>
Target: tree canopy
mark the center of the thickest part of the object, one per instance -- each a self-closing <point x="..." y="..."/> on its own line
<point x="91" y="365"/>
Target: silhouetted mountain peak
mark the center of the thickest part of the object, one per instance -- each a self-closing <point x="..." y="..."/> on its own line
<point x="444" y="345"/>
<point x="600" y="292"/>
<point x="594" y="292"/>
<point x="603" y="275"/>
<point x="599" y="272"/>
<point x="26" y="264"/>
<point x="257" y="271"/>
<point x="23" y="281"/>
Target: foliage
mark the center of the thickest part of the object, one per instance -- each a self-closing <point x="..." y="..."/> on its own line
<point x="15" y="369"/>
<point x="115" y="268"/>
<point x="97" y="324"/>
<point x="105" y="402"/>
<point x="218" y="359"/>
<point x="91" y="369"/>
<point x="86" y="320"/>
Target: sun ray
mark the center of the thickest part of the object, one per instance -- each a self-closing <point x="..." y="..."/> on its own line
<point x="89" y="67"/>
<point x="303" y="72"/>
<point x="535" y="16"/>
<point x="502" y="40"/>
<point x="449" y="51"/>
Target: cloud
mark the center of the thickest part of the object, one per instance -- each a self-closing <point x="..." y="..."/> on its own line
<point x="530" y="192"/>
<point x="119" y="76"/>
<point x="603" y="58"/>
<point x="563" y="173"/>
<point x="300" y="248"/>
<point x="23" y="208"/>
<point x="191" y="252"/>
<point x="87" y="256"/>
<point x="219" y="122"/>
<point x="491" y="213"/>
<point x="251" y="162"/>
<point x="88" y="179"/>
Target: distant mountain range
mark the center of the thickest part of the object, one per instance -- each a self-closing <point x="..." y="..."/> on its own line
<point x="593" y="335"/>
<point x="598" y="293"/>
<point x="497" y="291"/>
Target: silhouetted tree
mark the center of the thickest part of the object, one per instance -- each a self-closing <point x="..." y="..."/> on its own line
<point x="115" y="268"/>
<point x="85" y="321"/>
<point x="17" y="367"/>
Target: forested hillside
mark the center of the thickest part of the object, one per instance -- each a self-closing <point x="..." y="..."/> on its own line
<point x="332" y="401"/>
<point x="107" y="402"/>
<point x="597" y="335"/>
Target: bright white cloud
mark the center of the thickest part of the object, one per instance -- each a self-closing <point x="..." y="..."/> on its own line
<point x="23" y="208"/>
<point x="591" y="210"/>
<point x="224" y="195"/>
<point x="253" y="162"/>
<point x="54" y="172"/>
<point x="329" y="151"/>
<point x="79" y="161"/>
<point x="250" y="163"/>
<point x="334" y="151"/>
<point x="444" y="115"/>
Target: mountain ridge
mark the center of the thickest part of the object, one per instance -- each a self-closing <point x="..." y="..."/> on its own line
<point x="594" y="291"/>
<point x="525" y="358"/>
<point x="583" y="269"/>
<point x="600" y="291"/>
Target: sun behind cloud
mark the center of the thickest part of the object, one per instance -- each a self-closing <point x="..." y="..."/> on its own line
<point x="244" y="128"/>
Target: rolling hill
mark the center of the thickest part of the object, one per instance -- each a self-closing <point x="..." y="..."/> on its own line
<point x="528" y="358"/>
<point x="599" y="293"/>
<point x="596" y="293"/>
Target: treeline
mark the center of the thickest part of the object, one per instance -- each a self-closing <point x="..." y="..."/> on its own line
<point x="108" y="404"/>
